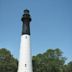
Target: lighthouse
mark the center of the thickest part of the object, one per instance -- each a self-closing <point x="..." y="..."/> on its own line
<point x="25" y="58"/>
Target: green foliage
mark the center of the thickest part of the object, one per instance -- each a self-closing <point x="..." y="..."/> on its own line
<point x="50" y="61"/>
<point x="7" y="62"/>
<point x="69" y="67"/>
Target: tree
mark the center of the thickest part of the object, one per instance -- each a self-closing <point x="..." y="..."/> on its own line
<point x="69" y="66"/>
<point x="7" y="62"/>
<point x="50" y="61"/>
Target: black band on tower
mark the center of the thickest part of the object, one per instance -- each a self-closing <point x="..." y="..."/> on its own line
<point x="26" y="22"/>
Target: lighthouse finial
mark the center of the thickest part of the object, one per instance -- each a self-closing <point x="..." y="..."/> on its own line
<point x="26" y="11"/>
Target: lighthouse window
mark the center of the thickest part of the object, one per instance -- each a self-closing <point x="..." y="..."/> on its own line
<point x="26" y="37"/>
<point x="25" y="65"/>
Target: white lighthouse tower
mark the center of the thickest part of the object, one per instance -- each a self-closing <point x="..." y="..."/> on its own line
<point x="25" y="60"/>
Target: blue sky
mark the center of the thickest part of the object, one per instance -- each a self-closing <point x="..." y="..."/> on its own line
<point x="51" y="25"/>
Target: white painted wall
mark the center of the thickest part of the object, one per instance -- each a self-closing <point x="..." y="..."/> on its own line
<point x="25" y="60"/>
